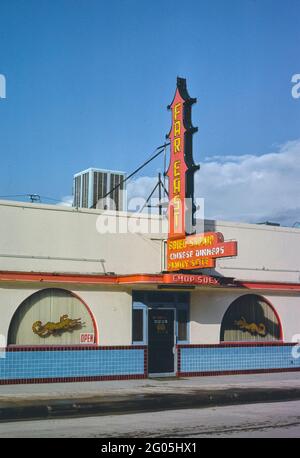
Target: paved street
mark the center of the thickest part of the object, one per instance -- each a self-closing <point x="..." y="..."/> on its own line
<point x="253" y="420"/>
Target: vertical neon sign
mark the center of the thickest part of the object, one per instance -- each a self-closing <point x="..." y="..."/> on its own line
<point x="182" y="167"/>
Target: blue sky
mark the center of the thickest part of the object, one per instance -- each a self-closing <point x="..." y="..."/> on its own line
<point x="88" y="82"/>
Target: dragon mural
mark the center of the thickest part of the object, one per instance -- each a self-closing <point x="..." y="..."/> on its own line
<point x="50" y="328"/>
<point x="253" y="328"/>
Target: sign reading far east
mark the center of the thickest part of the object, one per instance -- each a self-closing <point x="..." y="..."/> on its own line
<point x="184" y="250"/>
<point x="182" y="167"/>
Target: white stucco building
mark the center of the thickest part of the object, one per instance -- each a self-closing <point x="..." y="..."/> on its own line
<point x="80" y="304"/>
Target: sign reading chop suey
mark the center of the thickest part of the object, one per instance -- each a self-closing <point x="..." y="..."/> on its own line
<point x="184" y="251"/>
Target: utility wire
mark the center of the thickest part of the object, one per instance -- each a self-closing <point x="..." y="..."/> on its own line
<point x="159" y="150"/>
<point x="50" y="198"/>
<point x="14" y="195"/>
<point x="11" y="196"/>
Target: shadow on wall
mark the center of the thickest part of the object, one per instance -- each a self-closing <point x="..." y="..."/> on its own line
<point x="210" y="307"/>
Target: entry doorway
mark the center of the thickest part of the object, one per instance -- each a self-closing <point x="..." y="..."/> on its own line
<point x="161" y="341"/>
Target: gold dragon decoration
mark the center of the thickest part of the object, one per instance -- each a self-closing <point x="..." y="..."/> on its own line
<point x="253" y="328"/>
<point x="64" y="324"/>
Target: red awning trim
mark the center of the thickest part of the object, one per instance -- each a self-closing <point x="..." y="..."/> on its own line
<point x="152" y="279"/>
<point x="56" y="278"/>
<point x="278" y="286"/>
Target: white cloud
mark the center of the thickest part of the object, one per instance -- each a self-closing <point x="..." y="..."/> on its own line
<point x="248" y="188"/>
<point x="66" y="201"/>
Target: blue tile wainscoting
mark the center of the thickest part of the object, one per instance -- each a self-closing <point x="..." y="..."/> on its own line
<point x="236" y="358"/>
<point x="69" y="364"/>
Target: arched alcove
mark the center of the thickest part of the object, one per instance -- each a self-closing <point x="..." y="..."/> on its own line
<point x="250" y="318"/>
<point x="51" y="316"/>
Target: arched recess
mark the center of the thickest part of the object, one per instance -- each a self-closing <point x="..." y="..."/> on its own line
<point x="51" y="316"/>
<point x="251" y="318"/>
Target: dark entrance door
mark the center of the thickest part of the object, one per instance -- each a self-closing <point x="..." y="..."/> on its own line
<point x="161" y="341"/>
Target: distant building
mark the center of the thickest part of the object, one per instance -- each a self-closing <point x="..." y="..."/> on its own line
<point x="91" y="186"/>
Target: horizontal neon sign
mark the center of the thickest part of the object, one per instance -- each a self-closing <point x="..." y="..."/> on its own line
<point x="198" y="251"/>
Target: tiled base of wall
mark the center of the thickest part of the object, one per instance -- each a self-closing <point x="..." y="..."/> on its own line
<point x="227" y="359"/>
<point x="83" y="364"/>
<point x="241" y="372"/>
<point x="70" y="364"/>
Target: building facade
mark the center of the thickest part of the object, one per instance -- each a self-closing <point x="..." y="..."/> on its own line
<point x="84" y="296"/>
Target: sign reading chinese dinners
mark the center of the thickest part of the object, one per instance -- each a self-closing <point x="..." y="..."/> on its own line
<point x="186" y="250"/>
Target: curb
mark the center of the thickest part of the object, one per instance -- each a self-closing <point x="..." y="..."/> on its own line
<point x="138" y="403"/>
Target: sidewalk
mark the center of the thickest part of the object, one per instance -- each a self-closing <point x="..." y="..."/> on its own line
<point x="102" y="398"/>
